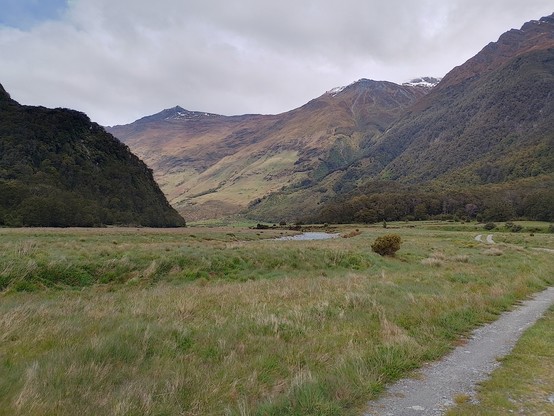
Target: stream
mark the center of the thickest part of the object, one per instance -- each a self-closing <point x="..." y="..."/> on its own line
<point x="308" y="236"/>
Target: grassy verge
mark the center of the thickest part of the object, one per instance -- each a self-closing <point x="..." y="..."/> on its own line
<point x="524" y="384"/>
<point x="217" y="321"/>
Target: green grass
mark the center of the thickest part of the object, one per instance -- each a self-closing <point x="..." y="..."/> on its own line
<point x="524" y="384"/>
<point x="221" y="321"/>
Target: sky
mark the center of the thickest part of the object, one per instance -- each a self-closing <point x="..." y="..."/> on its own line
<point x="119" y="60"/>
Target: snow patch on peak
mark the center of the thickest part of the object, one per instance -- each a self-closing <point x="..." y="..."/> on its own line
<point x="426" y="82"/>
<point x="335" y="91"/>
<point x="179" y="113"/>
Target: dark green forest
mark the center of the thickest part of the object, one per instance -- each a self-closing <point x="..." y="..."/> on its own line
<point x="376" y="201"/>
<point x="59" y="169"/>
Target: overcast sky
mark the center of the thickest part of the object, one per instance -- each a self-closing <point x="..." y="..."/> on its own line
<point x="118" y="60"/>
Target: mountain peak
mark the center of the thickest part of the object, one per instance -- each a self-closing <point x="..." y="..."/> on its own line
<point x="175" y="113"/>
<point x="360" y="82"/>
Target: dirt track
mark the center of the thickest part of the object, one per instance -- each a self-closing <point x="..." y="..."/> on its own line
<point x="433" y="391"/>
<point x="480" y="239"/>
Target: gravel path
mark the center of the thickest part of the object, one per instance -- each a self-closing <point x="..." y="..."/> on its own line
<point x="480" y="239"/>
<point x="437" y="384"/>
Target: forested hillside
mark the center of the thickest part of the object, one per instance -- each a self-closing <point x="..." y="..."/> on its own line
<point x="57" y="168"/>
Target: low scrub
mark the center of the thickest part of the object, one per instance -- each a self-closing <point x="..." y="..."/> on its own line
<point x="489" y="226"/>
<point x="515" y="228"/>
<point x="387" y="245"/>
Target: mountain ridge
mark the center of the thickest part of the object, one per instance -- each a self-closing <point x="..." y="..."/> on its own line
<point x="514" y="42"/>
<point x="232" y="161"/>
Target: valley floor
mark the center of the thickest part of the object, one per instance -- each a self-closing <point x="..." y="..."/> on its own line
<point x="229" y="321"/>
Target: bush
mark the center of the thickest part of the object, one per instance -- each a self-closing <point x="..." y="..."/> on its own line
<point x="386" y="245"/>
<point x="515" y="228"/>
<point x="489" y="226"/>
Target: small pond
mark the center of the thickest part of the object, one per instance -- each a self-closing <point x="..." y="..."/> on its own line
<point x="309" y="236"/>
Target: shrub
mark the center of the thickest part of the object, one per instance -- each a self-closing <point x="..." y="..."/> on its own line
<point x="515" y="228"/>
<point x="386" y="245"/>
<point x="489" y="226"/>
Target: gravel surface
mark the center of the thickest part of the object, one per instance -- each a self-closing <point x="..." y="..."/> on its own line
<point x="436" y="385"/>
<point x="480" y="238"/>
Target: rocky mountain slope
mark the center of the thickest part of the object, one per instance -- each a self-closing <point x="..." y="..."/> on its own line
<point x="57" y="168"/>
<point x="489" y="121"/>
<point x="211" y="165"/>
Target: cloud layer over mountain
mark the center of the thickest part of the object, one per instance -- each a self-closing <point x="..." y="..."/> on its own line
<point x="121" y="59"/>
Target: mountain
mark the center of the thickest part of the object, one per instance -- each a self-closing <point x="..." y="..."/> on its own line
<point x="57" y="168"/>
<point x="212" y="165"/>
<point x="489" y="120"/>
<point x="486" y="128"/>
<point x="480" y="141"/>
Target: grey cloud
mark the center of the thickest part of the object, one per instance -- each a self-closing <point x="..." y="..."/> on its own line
<point x="118" y="60"/>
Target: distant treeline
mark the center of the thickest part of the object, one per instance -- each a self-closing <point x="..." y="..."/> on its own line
<point x="377" y="201"/>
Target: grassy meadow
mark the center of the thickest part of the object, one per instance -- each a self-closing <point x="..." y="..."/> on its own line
<point x="227" y="321"/>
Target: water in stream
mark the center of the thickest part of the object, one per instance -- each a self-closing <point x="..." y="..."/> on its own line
<point x="309" y="236"/>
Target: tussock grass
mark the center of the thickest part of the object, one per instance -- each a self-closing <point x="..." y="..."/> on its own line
<point x="438" y="259"/>
<point x="493" y="251"/>
<point x="432" y="261"/>
<point x="353" y="233"/>
<point x="166" y="323"/>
